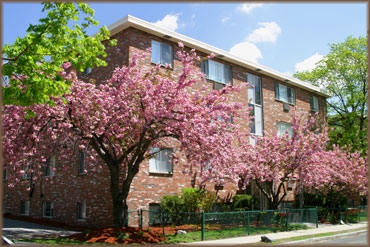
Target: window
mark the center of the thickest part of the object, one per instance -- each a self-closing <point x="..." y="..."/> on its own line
<point x="162" y="53"/>
<point x="81" y="210"/>
<point x="50" y="167"/>
<point x="283" y="128"/>
<point x="5" y="173"/>
<point x="27" y="173"/>
<point x="82" y="163"/>
<point x="255" y="104"/>
<point x="314" y="103"/>
<point x="284" y="93"/>
<point x="154" y="214"/>
<point x="25" y="208"/>
<point x="291" y="184"/>
<point x="47" y="209"/>
<point x="217" y="72"/>
<point x="161" y="162"/>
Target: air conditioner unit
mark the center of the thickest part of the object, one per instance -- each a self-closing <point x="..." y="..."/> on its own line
<point x="286" y="107"/>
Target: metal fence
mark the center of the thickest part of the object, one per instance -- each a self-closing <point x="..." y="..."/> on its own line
<point x="340" y="214"/>
<point x="247" y="222"/>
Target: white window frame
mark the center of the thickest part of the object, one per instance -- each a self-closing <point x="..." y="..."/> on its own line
<point x="25" y="208"/>
<point x="82" y="163"/>
<point x="81" y="210"/>
<point x="217" y="72"/>
<point x="50" y="166"/>
<point x="282" y="127"/>
<point x="314" y="103"/>
<point x="255" y="103"/>
<point x="162" y="161"/>
<point x="47" y="209"/>
<point x="159" y="55"/>
<point x="284" y="93"/>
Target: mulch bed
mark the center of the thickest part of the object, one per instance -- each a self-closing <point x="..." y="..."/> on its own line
<point x="122" y="235"/>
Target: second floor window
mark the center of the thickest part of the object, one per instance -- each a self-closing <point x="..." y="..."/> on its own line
<point x="284" y="93"/>
<point x="217" y="72"/>
<point x="162" y="160"/>
<point x="314" y="103"/>
<point x="50" y="167"/>
<point x="162" y="53"/>
<point x="82" y="163"/>
<point x="255" y="104"/>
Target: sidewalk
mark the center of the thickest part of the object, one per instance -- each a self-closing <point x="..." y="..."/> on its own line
<point x="362" y="226"/>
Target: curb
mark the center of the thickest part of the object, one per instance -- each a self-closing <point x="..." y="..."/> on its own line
<point x="318" y="239"/>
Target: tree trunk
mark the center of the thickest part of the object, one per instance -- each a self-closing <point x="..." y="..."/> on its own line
<point x="120" y="194"/>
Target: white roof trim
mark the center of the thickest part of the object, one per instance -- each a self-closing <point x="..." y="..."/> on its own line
<point x="130" y="21"/>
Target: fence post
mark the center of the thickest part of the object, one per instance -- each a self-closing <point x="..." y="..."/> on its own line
<point x="162" y="222"/>
<point x="249" y="224"/>
<point x="317" y="217"/>
<point x="286" y="220"/>
<point x="203" y="225"/>
<point x="358" y="214"/>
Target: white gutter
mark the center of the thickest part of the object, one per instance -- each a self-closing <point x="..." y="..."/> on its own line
<point x="130" y="21"/>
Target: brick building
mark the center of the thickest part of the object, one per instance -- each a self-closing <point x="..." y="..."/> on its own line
<point x="80" y="198"/>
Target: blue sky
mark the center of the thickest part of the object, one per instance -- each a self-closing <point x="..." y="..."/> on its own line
<point x="283" y="36"/>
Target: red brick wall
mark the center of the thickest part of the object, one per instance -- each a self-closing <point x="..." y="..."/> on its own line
<point x="68" y="187"/>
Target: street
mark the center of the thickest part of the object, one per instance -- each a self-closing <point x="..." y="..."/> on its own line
<point x="358" y="239"/>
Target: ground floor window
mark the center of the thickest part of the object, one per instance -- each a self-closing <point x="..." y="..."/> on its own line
<point x="25" y="208"/>
<point x="47" y="209"/>
<point x="81" y="210"/>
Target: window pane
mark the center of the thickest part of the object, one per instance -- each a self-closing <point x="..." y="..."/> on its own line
<point x="156" y="52"/>
<point x="283" y="128"/>
<point x="162" y="161"/>
<point x="258" y="120"/>
<point x="166" y="54"/>
<point x="283" y="93"/>
<point x="257" y="89"/>
<point x="314" y="102"/>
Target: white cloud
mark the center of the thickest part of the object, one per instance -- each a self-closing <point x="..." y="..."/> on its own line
<point x="248" y="7"/>
<point x="309" y="63"/>
<point x="225" y="19"/>
<point x="268" y="32"/>
<point x="247" y="51"/>
<point x="168" y="22"/>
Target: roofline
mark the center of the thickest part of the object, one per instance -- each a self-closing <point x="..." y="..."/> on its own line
<point x="130" y="21"/>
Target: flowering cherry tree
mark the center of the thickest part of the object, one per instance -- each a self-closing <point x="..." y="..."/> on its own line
<point x="275" y="159"/>
<point x="339" y="171"/>
<point x="117" y="122"/>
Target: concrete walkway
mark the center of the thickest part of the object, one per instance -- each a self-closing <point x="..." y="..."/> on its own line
<point x="323" y="228"/>
<point x="16" y="229"/>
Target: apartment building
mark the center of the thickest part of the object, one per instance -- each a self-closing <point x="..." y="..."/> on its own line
<point x="80" y="198"/>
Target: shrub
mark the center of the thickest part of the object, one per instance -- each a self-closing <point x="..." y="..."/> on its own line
<point x="242" y="202"/>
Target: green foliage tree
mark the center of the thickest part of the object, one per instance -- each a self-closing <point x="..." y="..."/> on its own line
<point x="33" y="64"/>
<point x="344" y="73"/>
